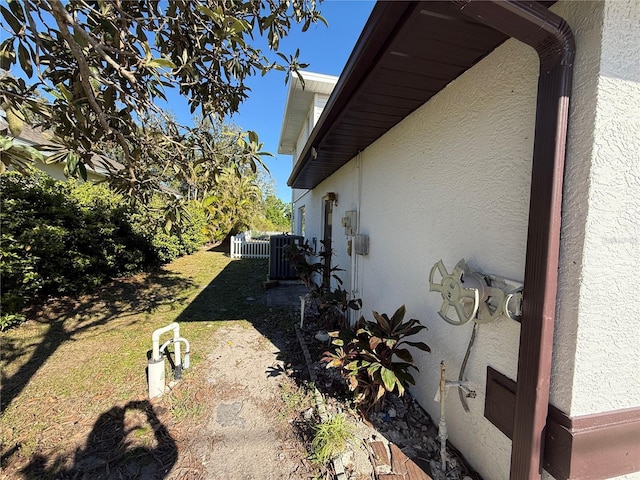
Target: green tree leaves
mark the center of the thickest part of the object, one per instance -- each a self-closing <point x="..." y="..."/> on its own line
<point x="102" y="66"/>
<point x="369" y="356"/>
<point x="277" y="212"/>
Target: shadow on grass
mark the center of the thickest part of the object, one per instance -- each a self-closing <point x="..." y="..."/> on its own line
<point x="237" y="293"/>
<point x="66" y="318"/>
<point x="112" y="451"/>
<point x="234" y="294"/>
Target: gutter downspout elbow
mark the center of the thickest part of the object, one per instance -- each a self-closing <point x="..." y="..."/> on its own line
<point x="551" y="37"/>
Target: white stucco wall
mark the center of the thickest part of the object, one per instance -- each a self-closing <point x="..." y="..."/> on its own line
<point x="598" y="312"/>
<point x="444" y="184"/>
<point x="452" y="181"/>
<point x="341" y="183"/>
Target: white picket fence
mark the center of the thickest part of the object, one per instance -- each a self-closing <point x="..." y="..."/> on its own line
<point x="242" y="246"/>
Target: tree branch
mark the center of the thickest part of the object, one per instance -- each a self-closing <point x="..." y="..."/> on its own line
<point x="61" y="14"/>
<point x="63" y="19"/>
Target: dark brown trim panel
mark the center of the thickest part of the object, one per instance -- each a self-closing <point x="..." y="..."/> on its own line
<point x="588" y="447"/>
<point x="500" y="401"/>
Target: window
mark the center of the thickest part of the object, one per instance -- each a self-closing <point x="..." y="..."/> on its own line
<point x="301" y="221"/>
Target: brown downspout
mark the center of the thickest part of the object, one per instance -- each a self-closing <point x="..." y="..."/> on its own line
<point x="553" y="40"/>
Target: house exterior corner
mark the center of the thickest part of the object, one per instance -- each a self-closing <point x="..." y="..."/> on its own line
<point x="452" y="181"/>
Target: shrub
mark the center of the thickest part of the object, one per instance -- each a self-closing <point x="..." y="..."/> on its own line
<point x="333" y="305"/>
<point x="8" y="320"/>
<point x="175" y="243"/>
<point x="368" y="358"/>
<point x="63" y="238"/>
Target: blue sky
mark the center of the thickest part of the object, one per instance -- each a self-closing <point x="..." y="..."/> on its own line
<point x="326" y="49"/>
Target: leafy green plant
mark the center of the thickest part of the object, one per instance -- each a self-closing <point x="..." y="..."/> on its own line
<point x="335" y="305"/>
<point x="301" y="257"/>
<point x="374" y="359"/>
<point x="10" y="320"/>
<point x="332" y="304"/>
<point x="64" y="238"/>
<point x="331" y="437"/>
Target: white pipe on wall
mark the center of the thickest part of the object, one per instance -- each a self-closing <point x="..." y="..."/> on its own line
<point x="442" y="424"/>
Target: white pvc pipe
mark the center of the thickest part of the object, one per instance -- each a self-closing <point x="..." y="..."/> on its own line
<point x="176" y="349"/>
<point x="187" y="350"/>
<point x="155" y="339"/>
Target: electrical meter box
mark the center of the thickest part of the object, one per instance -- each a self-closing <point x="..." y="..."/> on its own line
<point x="361" y="244"/>
<point x="350" y="222"/>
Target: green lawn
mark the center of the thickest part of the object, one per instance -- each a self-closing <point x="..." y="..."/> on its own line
<point x="74" y="360"/>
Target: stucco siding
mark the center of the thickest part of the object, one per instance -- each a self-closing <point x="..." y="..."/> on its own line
<point x="586" y="24"/>
<point x="607" y="357"/>
<point x="449" y="182"/>
<point x="452" y="181"/>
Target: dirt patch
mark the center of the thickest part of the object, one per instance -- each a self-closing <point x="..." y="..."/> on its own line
<point x="247" y="436"/>
<point x="226" y="420"/>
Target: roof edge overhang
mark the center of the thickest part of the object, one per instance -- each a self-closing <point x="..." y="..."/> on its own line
<point x="385" y="19"/>
<point x="296" y="88"/>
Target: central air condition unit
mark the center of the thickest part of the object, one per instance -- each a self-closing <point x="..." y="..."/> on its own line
<point x="279" y="267"/>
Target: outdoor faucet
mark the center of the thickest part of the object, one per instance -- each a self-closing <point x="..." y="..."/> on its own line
<point x="462" y="385"/>
<point x="440" y="397"/>
<point x="179" y="365"/>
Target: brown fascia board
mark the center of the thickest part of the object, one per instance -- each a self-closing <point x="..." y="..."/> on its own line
<point x="385" y="19"/>
<point x="587" y="447"/>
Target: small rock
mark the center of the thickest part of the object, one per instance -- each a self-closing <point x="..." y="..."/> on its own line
<point x="436" y="470"/>
<point x="322" y="336"/>
<point x="432" y="444"/>
<point x="346" y="457"/>
<point x="402" y="426"/>
<point x="308" y="414"/>
<point x="392" y="412"/>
